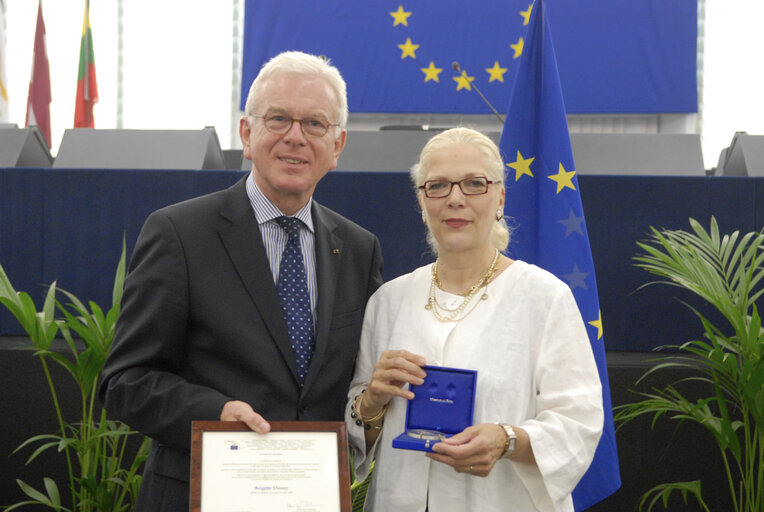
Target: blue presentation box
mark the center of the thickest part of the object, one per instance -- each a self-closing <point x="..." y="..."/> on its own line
<point x="442" y="406"/>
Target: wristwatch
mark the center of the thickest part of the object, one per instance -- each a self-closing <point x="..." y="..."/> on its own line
<point x="509" y="447"/>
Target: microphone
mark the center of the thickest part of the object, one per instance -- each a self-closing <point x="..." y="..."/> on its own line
<point x="457" y="68"/>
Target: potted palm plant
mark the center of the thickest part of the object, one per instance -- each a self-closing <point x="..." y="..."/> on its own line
<point x="726" y="272"/>
<point x="103" y="468"/>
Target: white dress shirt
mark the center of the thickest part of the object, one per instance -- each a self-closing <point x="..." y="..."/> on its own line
<point x="275" y="238"/>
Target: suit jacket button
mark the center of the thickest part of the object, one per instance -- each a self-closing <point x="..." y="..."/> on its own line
<point x="301" y="410"/>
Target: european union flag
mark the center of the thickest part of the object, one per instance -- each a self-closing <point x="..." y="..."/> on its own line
<point x="397" y="55"/>
<point x="544" y="201"/>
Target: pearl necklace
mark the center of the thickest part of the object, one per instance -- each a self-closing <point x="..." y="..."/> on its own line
<point x="453" y="315"/>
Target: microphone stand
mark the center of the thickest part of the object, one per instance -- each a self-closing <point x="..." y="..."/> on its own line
<point x="457" y="68"/>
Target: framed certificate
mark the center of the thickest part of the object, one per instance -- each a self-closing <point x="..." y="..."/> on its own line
<point x="299" y="466"/>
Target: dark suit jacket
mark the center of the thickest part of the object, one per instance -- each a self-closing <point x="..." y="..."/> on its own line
<point x="201" y="324"/>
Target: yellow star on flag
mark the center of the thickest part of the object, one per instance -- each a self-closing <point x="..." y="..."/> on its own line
<point x="431" y="72"/>
<point x="525" y="14"/>
<point x="518" y="47"/>
<point x="496" y="72"/>
<point x="408" y="49"/>
<point x="522" y="166"/>
<point x="401" y="17"/>
<point x="598" y="324"/>
<point x="563" y="179"/>
<point x="463" y="81"/>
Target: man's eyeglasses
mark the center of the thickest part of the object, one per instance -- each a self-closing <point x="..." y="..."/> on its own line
<point x="281" y="123"/>
<point x="469" y="186"/>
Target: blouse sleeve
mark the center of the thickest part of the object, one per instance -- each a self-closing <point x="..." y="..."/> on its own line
<point x="364" y="368"/>
<point x="568" y="423"/>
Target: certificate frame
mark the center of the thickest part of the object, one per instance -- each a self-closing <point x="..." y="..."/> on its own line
<point x="301" y="431"/>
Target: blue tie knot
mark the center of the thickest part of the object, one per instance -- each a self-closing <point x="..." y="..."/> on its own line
<point x="290" y="224"/>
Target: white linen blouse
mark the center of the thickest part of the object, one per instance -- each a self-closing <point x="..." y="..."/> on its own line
<point x="535" y="370"/>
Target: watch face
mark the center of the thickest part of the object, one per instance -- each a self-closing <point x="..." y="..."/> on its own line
<point x="511" y="438"/>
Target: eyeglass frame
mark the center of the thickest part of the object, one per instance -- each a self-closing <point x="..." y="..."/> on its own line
<point x="292" y="120"/>
<point x="423" y="186"/>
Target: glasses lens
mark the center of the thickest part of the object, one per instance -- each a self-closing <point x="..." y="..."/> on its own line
<point x="437" y="188"/>
<point x="315" y="127"/>
<point x="277" y="123"/>
<point x="474" y="186"/>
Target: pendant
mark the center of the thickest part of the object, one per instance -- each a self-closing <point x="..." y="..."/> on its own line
<point x="428" y="306"/>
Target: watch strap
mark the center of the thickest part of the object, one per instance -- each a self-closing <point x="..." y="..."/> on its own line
<point x="511" y="442"/>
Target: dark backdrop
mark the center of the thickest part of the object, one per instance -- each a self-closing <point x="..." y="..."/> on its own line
<point x="68" y="225"/>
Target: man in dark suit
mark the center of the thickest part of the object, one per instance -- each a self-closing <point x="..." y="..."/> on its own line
<point x="206" y="331"/>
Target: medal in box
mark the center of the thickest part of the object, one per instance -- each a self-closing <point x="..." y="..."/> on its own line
<point x="442" y="406"/>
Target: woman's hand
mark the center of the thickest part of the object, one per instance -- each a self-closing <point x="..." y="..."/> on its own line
<point x="475" y="450"/>
<point x="393" y="371"/>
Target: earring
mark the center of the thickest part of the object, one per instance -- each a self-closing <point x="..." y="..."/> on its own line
<point x="499" y="214"/>
<point x="424" y="218"/>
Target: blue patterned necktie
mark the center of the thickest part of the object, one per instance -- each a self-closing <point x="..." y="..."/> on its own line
<point x="294" y="296"/>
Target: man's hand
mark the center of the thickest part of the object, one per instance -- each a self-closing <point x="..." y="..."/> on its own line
<point x="236" y="410"/>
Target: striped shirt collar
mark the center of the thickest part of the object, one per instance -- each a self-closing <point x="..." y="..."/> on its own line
<point x="266" y="211"/>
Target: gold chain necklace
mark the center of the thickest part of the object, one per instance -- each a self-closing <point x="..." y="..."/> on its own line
<point x="454" y="314"/>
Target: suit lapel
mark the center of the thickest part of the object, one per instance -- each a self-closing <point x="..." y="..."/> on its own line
<point x="328" y="247"/>
<point x="241" y="237"/>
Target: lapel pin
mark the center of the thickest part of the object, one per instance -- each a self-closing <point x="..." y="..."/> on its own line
<point x="335" y="251"/>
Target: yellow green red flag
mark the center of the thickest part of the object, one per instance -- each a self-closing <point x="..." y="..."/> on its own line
<point x="87" y="89"/>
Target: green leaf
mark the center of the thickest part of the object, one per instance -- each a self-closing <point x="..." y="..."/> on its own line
<point x="35" y="439"/>
<point x="19" y="505"/>
<point x="119" y="277"/>
<point x="33" y="493"/>
<point x="63" y="361"/>
<point x="52" y="490"/>
<point x="49" y="306"/>
<point x="40" y="449"/>
<point x="661" y="493"/>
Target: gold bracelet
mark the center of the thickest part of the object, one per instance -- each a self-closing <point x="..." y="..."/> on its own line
<point x="374" y="418"/>
<point x="368" y="423"/>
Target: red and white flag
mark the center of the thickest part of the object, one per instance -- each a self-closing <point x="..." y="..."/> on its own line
<point x="38" y="101"/>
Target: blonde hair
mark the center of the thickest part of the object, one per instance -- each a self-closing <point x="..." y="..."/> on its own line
<point x="494" y="168"/>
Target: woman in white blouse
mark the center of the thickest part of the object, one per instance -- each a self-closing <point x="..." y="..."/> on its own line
<point x="538" y="404"/>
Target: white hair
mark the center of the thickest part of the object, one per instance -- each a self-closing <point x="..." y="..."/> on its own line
<point x="303" y="64"/>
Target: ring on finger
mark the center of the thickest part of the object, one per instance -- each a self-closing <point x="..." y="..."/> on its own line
<point x="469" y="470"/>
